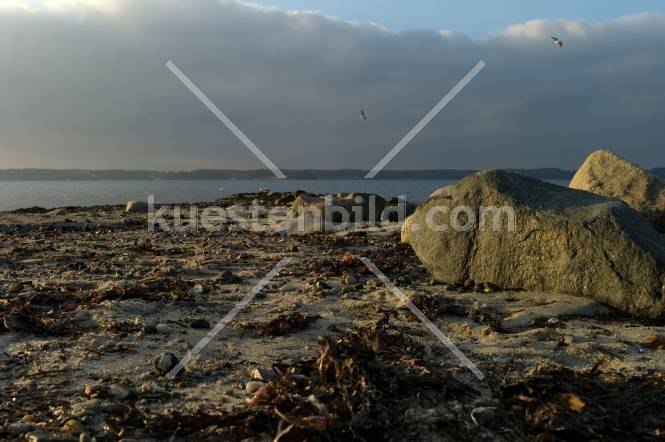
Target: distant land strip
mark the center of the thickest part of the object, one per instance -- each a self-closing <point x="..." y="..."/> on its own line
<point x="257" y="174"/>
<point x="262" y="174"/>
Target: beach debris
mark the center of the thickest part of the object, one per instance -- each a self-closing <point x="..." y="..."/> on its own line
<point x="166" y="362"/>
<point x="572" y="401"/>
<point x="286" y="323"/>
<point x="556" y="402"/>
<point x="655" y="342"/>
<point x="228" y="277"/>
<point x="557" y="41"/>
<point x="363" y="115"/>
<point x="627" y="267"/>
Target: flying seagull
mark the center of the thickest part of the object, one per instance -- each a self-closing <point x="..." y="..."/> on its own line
<point x="558" y="41"/>
<point x="363" y="115"/>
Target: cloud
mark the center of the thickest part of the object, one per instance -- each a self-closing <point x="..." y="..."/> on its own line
<point x="83" y="84"/>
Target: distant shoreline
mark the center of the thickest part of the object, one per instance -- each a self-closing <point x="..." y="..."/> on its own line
<point x="257" y="174"/>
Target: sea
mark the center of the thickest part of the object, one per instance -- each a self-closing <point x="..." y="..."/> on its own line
<point x="52" y="194"/>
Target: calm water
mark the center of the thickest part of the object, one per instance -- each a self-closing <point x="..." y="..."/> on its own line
<point x="48" y="194"/>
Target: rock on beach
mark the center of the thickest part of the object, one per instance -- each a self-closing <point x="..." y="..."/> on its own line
<point x="606" y="173"/>
<point x="564" y="241"/>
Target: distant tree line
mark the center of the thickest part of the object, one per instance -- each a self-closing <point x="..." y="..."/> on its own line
<point x="262" y="174"/>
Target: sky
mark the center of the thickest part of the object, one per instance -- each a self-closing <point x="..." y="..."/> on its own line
<point x="476" y="18"/>
<point x="83" y="83"/>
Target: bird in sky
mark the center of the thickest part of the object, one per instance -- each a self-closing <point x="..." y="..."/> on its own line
<point x="363" y="115"/>
<point x="558" y="41"/>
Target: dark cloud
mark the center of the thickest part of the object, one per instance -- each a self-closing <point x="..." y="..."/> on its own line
<point x="83" y="84"/>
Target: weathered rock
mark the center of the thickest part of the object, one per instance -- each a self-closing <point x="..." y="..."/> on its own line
<point x="358" y="206"/>
<point x="563" y="241"/>
<point x="58" y="212"/>
<point x="166" y="362"/>
<point x="253" y="386"/>
<point x="607" y="174"/>
<point x="200" y="323"/>
<point x="136" y="207"/>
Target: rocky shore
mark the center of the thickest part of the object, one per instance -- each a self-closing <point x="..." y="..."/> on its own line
<point x="94" y="306"/>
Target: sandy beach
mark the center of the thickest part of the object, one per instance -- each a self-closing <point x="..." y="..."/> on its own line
<point x="324" y="351"/>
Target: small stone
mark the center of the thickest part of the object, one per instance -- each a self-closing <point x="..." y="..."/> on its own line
<point x="88" y="407"/>
<point x="655" y="342"/>
<point x="94" y="390"/>
<point x="166" y="362"/>
<point x="14" y="289"/>
<point x="73" y="426"/>
<point x="41" y="436"/>
<point x="120" y="392"/>
<point x="489" y="287"/>
<point x="261" y="374"/>
<point x="136" y="207"/>
<point x="17" y="323"/>
<point x="19" y="427"/>
<point x="85" y="437"/>
<point x="351" y="279"/>
<point x="553" y="321"/>
<point x="253" y="386"/>
<point x="196" y="290"/>
<point x="483" y="415"/>
<point x="57" y="212"/>
<point x="200" y="324"/>
<point x="163" y="328"/>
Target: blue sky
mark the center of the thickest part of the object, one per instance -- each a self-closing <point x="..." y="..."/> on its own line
<point x="477" y="19"/>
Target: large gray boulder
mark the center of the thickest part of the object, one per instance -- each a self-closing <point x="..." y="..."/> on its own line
<point x="607" y="174"/>
<point x="556" y="240"/>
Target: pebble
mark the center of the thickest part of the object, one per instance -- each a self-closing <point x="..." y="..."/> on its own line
<point x="200" y="324"/>
<point x="85" y="437"/>
<point x="262" y="374"/>
<point x="14" y="289"/>
<point x="94" y="389"/>
<point x="163" y="328"/>
<point x="19" y="427"/>
<point x="120" y="392"/>
<point x="483" y="415"/>
<point x="289" y="288"/>
<point x="42" y="436"/>
<point x="351" y="279"/>
<point x="553" y="321"/>
<point x="166" y="362"/>
<point x="88" y="407"/>
<point x="73" y="426"/>
<point x="18" y="323"/>
<point x="253" y="386"/>
<point x="196" y="290"/>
